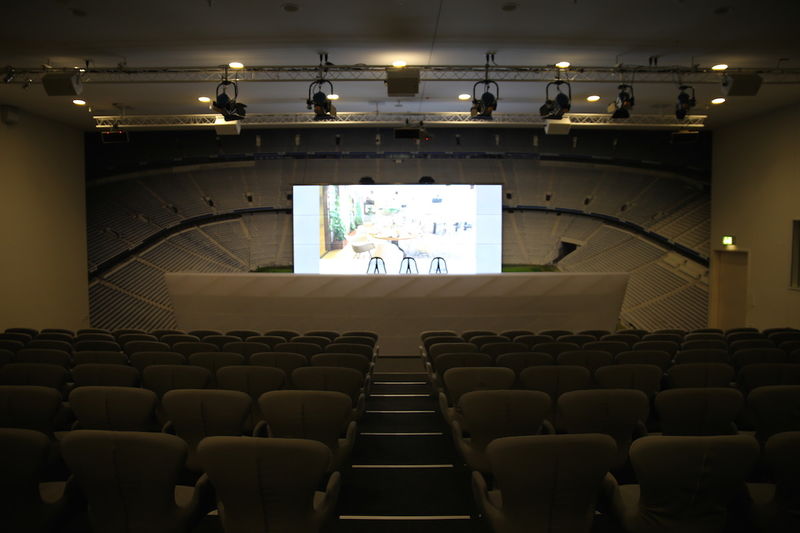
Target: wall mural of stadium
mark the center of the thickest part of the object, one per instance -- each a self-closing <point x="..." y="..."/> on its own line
<point x="579" y="206"/>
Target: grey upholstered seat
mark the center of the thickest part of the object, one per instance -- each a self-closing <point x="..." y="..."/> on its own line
<point x="458" y="381"/>
<point x="134" y="346"/>
<point x="555" y="380"/>
<point x="685" y="483"/>
<point x="164" y="378"/>
<point x="129" y="479"/>
<point x="307" y="349"/>
<point x="776" y="505"/>
<point x="106" y="357"/>
<point x="350" y="347"/>
<point x="439" y="348"/>
<point x="554" y="348"/>
<point x="114" y="408"/>
<point x="544" y="483"/>
<point x="340" y="379"/>
<point x="491" y="414"/>
<point x="700" y="375"/>
<point x="29" y="407"/>
<point x="764" y="374"/>
<point x="270" y="485"/>
<point x="53" y="376"/>
<point x="643" y="377"/>
<point x="141" y="360"/>
<point x="699" y="411"/>
<point x="496" y="349"/>
<point x="254" y="381"/>
<point x="589" y="359"/>
<point x="213" y="361"/>
<point x="446" y="361"/>
<point x="187" y="348"/>
<point x="286" y="361"/>
<point x="774" y="408"/>
<point x="194" y="414"/>
<point x="702" y="355"/>
<point x="318" y="415"/>
<point x="345" y="360"/>
<point x="645" y="357"/>
<point x="48" y="356"/>
<point x="105" y="374"/>
<point x="24" y="506"/>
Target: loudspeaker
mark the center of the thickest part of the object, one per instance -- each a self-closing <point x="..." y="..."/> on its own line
<point x="402" y="81"/>
<point x="557" y="127"/>
<point x="62" y="84"/>
<point x="741" y="84"/>
<point x="227" y="127"/>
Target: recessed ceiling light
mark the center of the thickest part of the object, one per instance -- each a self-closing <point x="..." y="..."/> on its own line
<point x="563" y="64"/>
<point x="78" y="101"/>
<point x="333" y="96"/>
<point x="717" y="101"/>
<point x="236" y="64"/>
<point x="464" y="96"/>
<point x="204" y="99"/>
<point x="721" y="66"/>
<point x="399" y="63"/>
<point x="592" y="98"/>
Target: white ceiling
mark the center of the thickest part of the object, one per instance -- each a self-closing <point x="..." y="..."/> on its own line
<point x="590" y="33"/>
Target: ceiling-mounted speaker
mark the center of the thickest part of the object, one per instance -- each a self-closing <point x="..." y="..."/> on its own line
<point x="402" y="81"/>
<point x="557" y="127"/>
<point x="62" y="84"/>
<point x="741" y="84"/>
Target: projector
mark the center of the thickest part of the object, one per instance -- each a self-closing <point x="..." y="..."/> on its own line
<point x="557" y="127"/>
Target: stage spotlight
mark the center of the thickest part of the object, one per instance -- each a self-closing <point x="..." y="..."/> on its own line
<point x="8" y="77"/>
<point x="366" y="180"/>
<point x="621" y="107"/>
<point x="228" y="107"/>
<point x="685" y="103"/>
<point x="321" y="102"/>
<point x="427" y="180"/>
<point x="483" y="107"/>
<point x="554" y="108"/>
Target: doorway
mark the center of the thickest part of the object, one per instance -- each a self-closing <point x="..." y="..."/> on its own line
<point x="729" y="290"/>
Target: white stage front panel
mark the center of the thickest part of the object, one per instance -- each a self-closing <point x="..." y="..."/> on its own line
<point x="397" y="307"/>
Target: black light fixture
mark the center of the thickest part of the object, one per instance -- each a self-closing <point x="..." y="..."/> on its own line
<point x="483" y="107"/>
<point x="8" y="77"/>
<point x="686" y="101"/>
<point x="226" y="105"/>
<point x="320" y="101"/>
<point x="622" y="105"/>
<point x="554" y="108"/>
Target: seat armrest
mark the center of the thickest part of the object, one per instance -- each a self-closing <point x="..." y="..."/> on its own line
<point x="261" y="429"/>
<point x="168" y="427"/>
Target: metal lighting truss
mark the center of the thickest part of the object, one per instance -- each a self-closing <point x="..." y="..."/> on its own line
<point x="611" y="74"/>
<point x="504" y="120"/>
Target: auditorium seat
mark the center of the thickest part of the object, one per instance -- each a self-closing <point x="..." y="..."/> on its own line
<point x="519" y="361"/>
<point x="661" y="359"/>
<point x="670" y="347"/>
<point x="775" y="505"/>
<point x="348" y="381"/>
<point x="320" y="341"/>
<point x="554" y="333"/>
<point x="699" y="411"/>
<point x="774" y="409"/>
<point x="193" y="414"/>
<point x="26" y="504"/>
<point x="114" y="408"/>
<point x="133" y="347"/>
<point x="101" y="374"/>
<point x="544" y="483"/>
<point x="51" y="376"/>
<point x="142" y="360"/>
<point x="684" y="483"/>
<point x="48" y="356"/>
<point x="554" y="348"/>
<point x="270" y="485"/>
<point x="611" y="346"/>
<point x="317" y="415"/>
<point x="29" y="407"/>
<point x="764" y="374"/>
<point x="158" y="333"/>
<point x="643" y="377"/>
<point x="480" y="340"/>
<point x="596" y="333"/>
<point x="512" y="333"/>
<point x="187" y="348"/>
<point x="213" y="361"/>
<point x="704" y="344"/>
<point x="63" y="346"/>
<point x="253" y="381"/>
<point x="555" y="380"/>
<point x="286" y="361"/>
<point x="106" y="357"/>
<point x="5" y="356"/>
<point x="438" y="348"/>
<point x="532" y="340"/>
<point x="348" y="347"/>
<point x="220" y="340"/>
<point x="303" y="348"/>
<point x="589" y="359"/>
<point x="468" y="334"/>
<point x="125" y="338"/>
<point x="492" y="414"/>
<point x="327" y="333"/>
<point x="163" y="378"/>
<point x="578" y="339"/>
<point x="130" y="481"/>
<point x="700" y="375"/>
<point x="702" y="355"/>
<point x="287" y="334"/>
<point x="458" y="381"/>
<point x="749" y="356"/>
<point x="200" y="333"/>
<point x="172" y="338"/>
<point x="97" y="345"/>
<point x="246" y="349"/>
<point x="11" y="345"/>
<point x="496" y="349"/>
<point x="446" y="361"/>
<point x="367" y="340"/>
<point x="243" y="334"/>
<point x="269" y="340"/>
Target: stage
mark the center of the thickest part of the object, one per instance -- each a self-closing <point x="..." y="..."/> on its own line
<point x="398" y="307"/>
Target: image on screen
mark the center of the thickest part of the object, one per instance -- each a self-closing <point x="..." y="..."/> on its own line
<point x="413" y="229"/>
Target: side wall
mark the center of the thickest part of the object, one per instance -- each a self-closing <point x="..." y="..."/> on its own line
<point x="43" y="279"/>
<point x="755" y="195"/>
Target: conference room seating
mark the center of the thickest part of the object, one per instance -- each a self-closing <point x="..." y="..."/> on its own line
<point x="663" y="360"/>
<point x="253" y="381"/>
<point x="323" y="416"/>
<point x="193" y="414"/>
<point x="458" y="381"/>
<point x="246" y="349"/>
<point x="492" y="414"/>
<point x="775" y="506"/>
<point x="141" y="360"/>
<point x="774" y="409"/>
<point x="27" y="503"/>
<point x="700" y="375"/>
<point x="699" y="411"/>
<point x="114" y="408"/>
<point x="544" y="483"/>
<point x="763" y="374"/>
<point x="270" y="485"/>
<point x="286" y="361"/>
<point x="130" y="480"/>
<point x="187" y="348"/>
<point x="333" y="378"/>
<point x="101" y="374"/>
<point x="106" y="357"/>
<point x="684" y="483"/>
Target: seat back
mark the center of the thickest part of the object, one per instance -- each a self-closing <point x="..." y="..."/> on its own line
<point x="702" y="355"/>
<point x="108" y="357"/>
<point x="458" y="381"/>
<point x="164" y="378"/>
<point x="496" y="349"/>
<point x="700" y="375"/>
<point x="349" y="347"/>
<point x="47" y="356"/>
<point x="774" y="408"/>
<point x="303" y="414"/>
<point x="268" y="484"/>
<point x="52" y="376"/>
<point x="187" y="348"/>
<point x="253" y="381"/>
<point x="329" y="378"/>
<point x="105" y="374"/>
<point x="663" y="360"/>
<point x="436" y="349"/>
<point x="114" y="408"/>
<point x="764" y="374"/>
<point x="491" y="414"/>
<point x="132" y="347"/>
<point x="29" y="407"/>
<point x="646" y="378"/>
<point x="303" y="348"/>
<point x="699" y="411"/>
<point x="346" y="360"/>
<point x="286" y="361"/>
<point x="687" y="483"/>
<point x="589" y="359"/>
<point x="141" y="360"/>
<point x="548" y="480"/>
